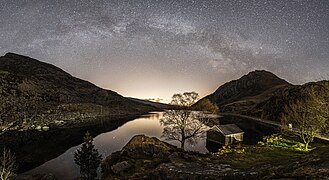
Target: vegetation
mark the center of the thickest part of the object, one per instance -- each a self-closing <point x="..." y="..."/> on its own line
<point x="88" y="158"/>
<point x="8" y="165"/>
<point x="256" y="156"/>
<point x="278" y="141"/>
<point x="206" y="105"/>
<point x="183" y="125"/>
<point x="230" y="149"/>
<point x="308" y="117"/>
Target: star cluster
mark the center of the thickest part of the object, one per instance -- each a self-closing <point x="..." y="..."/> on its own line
<point x="154" y="48"/>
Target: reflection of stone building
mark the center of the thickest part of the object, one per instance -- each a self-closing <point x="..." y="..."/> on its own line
<point x="225" y="134"/>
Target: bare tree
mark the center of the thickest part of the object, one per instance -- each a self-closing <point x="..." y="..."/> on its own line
<point x="183" y="125"/>
<point x="7" y="166"/>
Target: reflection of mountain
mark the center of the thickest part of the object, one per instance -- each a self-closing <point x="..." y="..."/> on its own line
<point x="263" y="94"/>
<point x="31" y="90"/>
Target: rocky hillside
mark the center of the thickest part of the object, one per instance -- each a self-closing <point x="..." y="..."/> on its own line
<point x="263" y="94"/>
<point x="149" y="158"/>
<point x="35" y="93"/>
<point x="242" y="94"/>
<point x="274" y="107"/>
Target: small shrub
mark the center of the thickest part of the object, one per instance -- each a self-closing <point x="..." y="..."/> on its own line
<point x="238" y="149"/>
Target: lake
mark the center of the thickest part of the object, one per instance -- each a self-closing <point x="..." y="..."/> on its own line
<point x="64" y="167"/>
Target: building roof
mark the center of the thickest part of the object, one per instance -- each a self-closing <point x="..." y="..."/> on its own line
<point x="227" y="129"/>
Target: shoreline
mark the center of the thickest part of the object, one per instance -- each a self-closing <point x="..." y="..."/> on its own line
<point x="32" y="148"/>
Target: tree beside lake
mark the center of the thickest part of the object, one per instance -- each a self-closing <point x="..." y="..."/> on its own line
<point x="88" y="158"/>
<point x="184" y="124"/>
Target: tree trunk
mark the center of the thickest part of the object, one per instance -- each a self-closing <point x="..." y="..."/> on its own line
<point x="306" y="146"/>
<point x="182" y="145"/>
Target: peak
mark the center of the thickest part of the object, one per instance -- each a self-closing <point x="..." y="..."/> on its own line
<point x="24" y="65"/>
<point x="10" y="54"/>
<point x="19" y="57"/>
<point x="260" y="72"/>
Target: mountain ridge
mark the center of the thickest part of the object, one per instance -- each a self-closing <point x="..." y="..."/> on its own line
<point x="32" y="91"/>
<point x="240" y="88"/>
<point x="262" y="94"/>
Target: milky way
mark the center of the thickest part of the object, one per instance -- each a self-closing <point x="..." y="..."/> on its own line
<point x="154" y="48"/>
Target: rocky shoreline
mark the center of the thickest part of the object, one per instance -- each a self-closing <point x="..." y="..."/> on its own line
<point x="149" y="158"/>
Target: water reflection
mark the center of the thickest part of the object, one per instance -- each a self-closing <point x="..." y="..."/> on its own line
<point x="64" y="168"/>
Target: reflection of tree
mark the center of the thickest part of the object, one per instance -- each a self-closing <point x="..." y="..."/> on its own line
<point x="183" y="125"/>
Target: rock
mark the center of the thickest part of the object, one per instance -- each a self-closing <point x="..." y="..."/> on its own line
<point x="120" y="167"/>
<point x="141" y="153"/>
<point x="142" y="146"/>
<point x="45" y="128"/>
<point x="39" y="128"/>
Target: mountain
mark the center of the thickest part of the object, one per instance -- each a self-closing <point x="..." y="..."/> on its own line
<point x="263" y="94"/>
<point x="35" y="93"/>
<point x="248" y="91"/>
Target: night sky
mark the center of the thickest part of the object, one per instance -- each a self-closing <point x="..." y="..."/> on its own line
<point x="154" y="48"/>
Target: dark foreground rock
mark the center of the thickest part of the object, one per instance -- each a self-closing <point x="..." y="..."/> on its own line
<point x="149" y="158"/>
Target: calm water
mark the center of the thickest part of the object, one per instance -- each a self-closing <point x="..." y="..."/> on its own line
<point x="64" y="168"/>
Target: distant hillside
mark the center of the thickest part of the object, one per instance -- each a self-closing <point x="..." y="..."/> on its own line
<point x="246" y="92"/>
<point x="34" y="92"/>
<point x="154" y="104"/>
<point x="274" y="107"/>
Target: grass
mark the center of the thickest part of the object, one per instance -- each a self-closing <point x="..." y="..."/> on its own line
<point x="256" y="156"/>
<point x="278" y="141"/>
<point x="274" y="151"/>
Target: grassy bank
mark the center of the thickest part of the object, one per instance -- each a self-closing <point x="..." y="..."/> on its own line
<point x="283" y="158"/>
